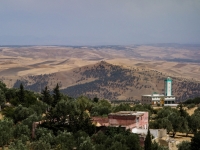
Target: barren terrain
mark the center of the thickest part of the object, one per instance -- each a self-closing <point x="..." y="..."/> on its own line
<point x="74" y="69"/>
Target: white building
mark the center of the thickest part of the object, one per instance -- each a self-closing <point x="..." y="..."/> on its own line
<point x="166" y="99"/>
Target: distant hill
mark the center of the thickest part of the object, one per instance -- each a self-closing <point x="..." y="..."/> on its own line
<point x="111" y="71"/>
<point x="111" y="82"/>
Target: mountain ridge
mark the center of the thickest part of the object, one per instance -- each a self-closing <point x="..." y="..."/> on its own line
<point x="112" y="82"/>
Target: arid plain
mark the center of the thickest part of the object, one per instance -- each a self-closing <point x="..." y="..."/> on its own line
<point x="60" y="64"/>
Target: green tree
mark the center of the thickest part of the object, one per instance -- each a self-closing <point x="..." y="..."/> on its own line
<point x="118" y="146"/>
<point x="165" y="112"/>
<point x="81" y="122"/>
<point x="8" y="112"/>
<point x="62" y="110"/>
<point x="184" y="145"/>
<point x="40" y="145"/>
<point x="21" y="132"/>
<point x="154" y="146"/>
<point x="195" y="141"/>
<point x="56" y="95"/>
<point x="46" y="96"/>
<point x="190" y="106"/>
<point x="45" y="135"/>
<point x="30" y="119"/>
<point x="86" y="144"/>
<point x="101" y="108"/>
<point x="65" y="140"/>
<point x="39" y="107"/>
<point x="122" y="107"/>
<point x="165" y="123"/>
<point x="96" y="99"/>
<point x="21" y="94"/>
<point x="99" y="138"/>
<point x="144" y="107"/>
<point x="11" y="96"/>
<point x="84" y="103"/>
<point x="194" y="121"/>
<point x="3" y="90"/>
<point x="148" y="142"/>
<point x="99" y="147"/>
<point x="167" y="118"/>
<point x="132" y="141"/>
<point x="6" y="132"/>
<point x="3" y="87"/>
<point x="21" y="113"/>
<point x="178" y="123"/>
<point x="18" y="145"/>
<point x="42" y="132"/>
<point x="29" y="99"/>
<point x="182" y="112"/>
<point x="2" y="98"/>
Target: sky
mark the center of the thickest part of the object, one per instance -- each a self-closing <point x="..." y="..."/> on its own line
<point x="99" y="22"/>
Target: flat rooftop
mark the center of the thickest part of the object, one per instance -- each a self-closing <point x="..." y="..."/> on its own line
<point x="128" y="113"/>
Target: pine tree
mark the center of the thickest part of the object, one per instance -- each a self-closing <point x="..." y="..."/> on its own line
<point x="56" y="95"/>
<point x="46" y="96"/>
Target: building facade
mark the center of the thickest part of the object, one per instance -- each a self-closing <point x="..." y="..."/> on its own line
<point x="163" y="99"/>
<point x="127" y="119"/>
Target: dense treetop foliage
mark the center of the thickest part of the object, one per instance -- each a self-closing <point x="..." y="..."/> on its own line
<point x="192" y="101"/>
<point x="62" y="122"/>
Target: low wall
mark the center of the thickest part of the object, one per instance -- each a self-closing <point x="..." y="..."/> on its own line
<point x="157" y="133"/>
<point x="171" y="105"/>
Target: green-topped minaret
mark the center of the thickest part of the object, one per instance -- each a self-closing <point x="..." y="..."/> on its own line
<point x="168" y="86"/>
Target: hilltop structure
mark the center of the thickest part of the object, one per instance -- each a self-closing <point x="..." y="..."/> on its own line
<point x="166" y="99"/>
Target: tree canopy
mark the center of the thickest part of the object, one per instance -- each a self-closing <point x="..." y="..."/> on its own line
<point x="64" y="122"/>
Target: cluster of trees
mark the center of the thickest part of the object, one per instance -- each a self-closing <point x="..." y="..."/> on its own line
<point x="176" y="120"/>
<point x="195" y="101"/>
<point x="193" y="145"/>
<point x="65" y="122"/>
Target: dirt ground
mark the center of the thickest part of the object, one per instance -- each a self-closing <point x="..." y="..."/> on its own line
<point x="1" y="116"/>
<point x="191" y="111"/>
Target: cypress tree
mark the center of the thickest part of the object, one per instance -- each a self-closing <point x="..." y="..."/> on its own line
<point x="147" y="142"/>
<point x="21" y="94"/>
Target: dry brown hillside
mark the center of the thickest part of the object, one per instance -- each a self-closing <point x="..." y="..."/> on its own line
<point x="111" y="82"/>
<point x="111" y="72"/>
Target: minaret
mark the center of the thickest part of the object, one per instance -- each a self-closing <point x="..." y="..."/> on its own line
<point x="168" y="86"/>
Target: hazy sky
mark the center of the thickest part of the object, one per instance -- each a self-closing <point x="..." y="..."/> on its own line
<point x="96" y="22"/>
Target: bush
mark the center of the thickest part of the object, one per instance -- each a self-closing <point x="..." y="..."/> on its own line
<point x="191" y="106"/>
<point x="185" y="145"/>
